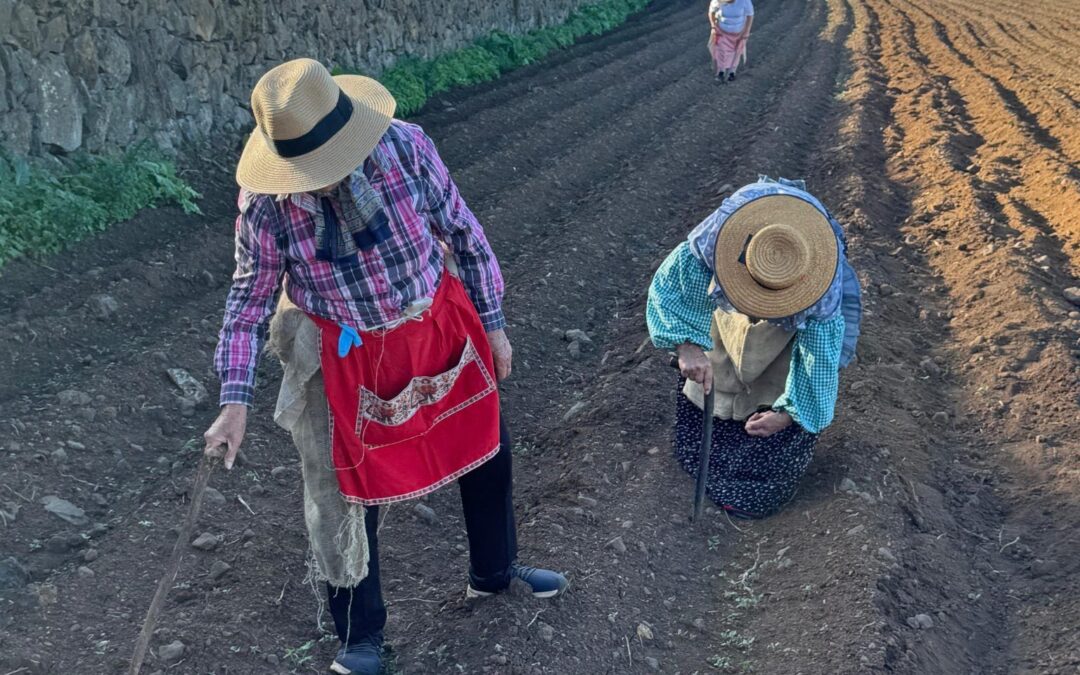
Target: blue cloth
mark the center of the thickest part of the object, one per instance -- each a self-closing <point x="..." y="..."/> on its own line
<point x="348" y="339"/>
<point x="844" y="292"/>
<point x="679" y="310"/>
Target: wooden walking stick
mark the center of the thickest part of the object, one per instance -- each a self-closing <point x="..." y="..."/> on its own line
<point x="206" y="466"/>
<point x="705" y="450"/>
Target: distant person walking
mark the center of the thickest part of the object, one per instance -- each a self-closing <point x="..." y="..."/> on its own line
<point x="731" y="21"/>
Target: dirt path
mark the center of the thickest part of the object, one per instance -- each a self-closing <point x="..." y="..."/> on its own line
<point x="911" y="121"/>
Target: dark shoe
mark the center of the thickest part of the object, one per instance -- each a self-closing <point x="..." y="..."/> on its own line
<point x="544" y="583"/>
<point x="362" y="658"/>
<point x="731" y="77"/>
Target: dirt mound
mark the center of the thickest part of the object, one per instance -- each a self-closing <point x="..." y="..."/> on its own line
<point x="932" y="534"/>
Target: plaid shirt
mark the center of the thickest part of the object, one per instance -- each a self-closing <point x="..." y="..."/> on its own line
<point x="276" y="236"/>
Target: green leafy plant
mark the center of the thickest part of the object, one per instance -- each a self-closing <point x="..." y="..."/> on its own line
<point x="46" y="209"/>
<point x="413" y="82"/>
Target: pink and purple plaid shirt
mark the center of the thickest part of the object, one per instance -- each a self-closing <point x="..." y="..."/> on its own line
<point x="275" y="236"/>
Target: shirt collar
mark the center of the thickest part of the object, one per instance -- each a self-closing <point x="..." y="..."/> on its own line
<point x="309" y="201"/>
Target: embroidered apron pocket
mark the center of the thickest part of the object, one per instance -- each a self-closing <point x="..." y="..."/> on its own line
<point x="425" y="403"/>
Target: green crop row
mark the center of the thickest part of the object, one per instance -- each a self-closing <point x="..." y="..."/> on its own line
<point x="414" y="81"/>
<point x="44" y="210"/>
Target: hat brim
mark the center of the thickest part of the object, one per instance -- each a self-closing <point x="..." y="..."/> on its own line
<point x="742" y="290"/>
<point x="263" y="171"/>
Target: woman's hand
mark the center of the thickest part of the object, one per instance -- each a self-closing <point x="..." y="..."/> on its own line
<point x="227" y="433"/>
<point x="695" y="365"/>
<point x="765" y="424"/>
<point x="501" y="353"/>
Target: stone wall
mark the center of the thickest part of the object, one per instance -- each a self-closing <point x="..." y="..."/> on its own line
<point x="100" y="74"/>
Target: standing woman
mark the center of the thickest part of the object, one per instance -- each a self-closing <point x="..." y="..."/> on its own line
<point x="731" y="21"/>
<point x="763" y="309"/>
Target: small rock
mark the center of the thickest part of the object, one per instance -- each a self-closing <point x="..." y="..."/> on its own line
<point x="1073" y="295"/>
<point x="941" y="417"/>
<point x="59" y="456"/>
<point x="546" y="632"/>
<point x="654" y="450"/>
<point x="278" y="472"/>
<point x="930" y="367"/>
<point x="644" y="632"/>
<point x="10" y="511"/>
<point x="206" y="542"/>
<point x="75" y="445"/>
<point x="858" y="529"/>
<point x="85" y="572"/>
<point x="74" y="397"/>
<point x="618" y="545"/>
<point x="65" y="510"/>
<point x="575" y="350"/>
<point x="578" y="336"/>
<point x="214" y="496"/>
<point x="249" y="534"/>
<point x="103" y="306"/>
<point x="587" y="501"/>
<point x="1042" y="440"/>
<point x="172" y="652"/>
<point x="920" y="621"/>
<point x="90" y="555"/>
<point x="652" y="663"/>
<point x="575" y="410"/>
<point x="63" y="542"/>
<point x="848" y="485"/>
<point x="219" y="569"/>
<point x="426" y="513"/>
<point x="192" y="388"/>
<point x="887" y="290"/>
<point x="12" y="574"/>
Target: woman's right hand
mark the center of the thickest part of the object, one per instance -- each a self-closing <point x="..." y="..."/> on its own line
<point x="695" y="365"/>
<point x="227" y="433"/>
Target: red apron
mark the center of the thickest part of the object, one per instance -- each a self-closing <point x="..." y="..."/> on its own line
<point x="412" y="408"/>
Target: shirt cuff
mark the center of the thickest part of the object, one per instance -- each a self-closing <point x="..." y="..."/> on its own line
<point x="237" y="390"/>
<point x="784" y="404"/>
<point x="492" y="320"/>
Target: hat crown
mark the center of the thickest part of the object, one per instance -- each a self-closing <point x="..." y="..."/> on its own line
<point x="778" y="257"/>
<point x="291" y="98"/>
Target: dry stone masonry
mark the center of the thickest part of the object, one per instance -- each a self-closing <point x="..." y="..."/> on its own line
<point x="101" y="74"/>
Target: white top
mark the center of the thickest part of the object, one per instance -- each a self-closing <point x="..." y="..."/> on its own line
<point x="731" y="16"/>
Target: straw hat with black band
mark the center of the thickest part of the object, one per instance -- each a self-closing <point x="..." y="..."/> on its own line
<point x="312" y="129"/>
<point x="776" y="256"/>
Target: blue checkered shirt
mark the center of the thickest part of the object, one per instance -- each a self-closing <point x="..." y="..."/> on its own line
<point x="679" y="310"/>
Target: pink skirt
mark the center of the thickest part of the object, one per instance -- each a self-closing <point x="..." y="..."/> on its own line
<point x="725" y="49"/>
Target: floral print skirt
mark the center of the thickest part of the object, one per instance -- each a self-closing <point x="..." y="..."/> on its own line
<point x="749" y="477"/>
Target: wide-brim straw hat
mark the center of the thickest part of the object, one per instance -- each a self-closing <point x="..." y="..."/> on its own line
<point x="776" y="256"/>
<point x="312" y="130"/>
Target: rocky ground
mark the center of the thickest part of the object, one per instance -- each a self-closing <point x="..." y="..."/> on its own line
<point x="935" y="532"/>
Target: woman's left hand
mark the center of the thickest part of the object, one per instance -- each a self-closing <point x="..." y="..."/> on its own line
<point x="765" y="424"/>
<point x="501" y="353"/>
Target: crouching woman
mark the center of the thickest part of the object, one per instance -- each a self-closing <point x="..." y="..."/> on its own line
<point x="755" y="304"/>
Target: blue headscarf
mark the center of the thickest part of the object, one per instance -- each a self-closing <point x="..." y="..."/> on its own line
<point x="843" y="294"/>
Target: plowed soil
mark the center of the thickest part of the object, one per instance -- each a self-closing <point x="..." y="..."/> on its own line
<point x="943" y="133"/>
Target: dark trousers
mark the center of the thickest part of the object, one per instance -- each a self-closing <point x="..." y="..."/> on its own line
<point x="487" y="500"/>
